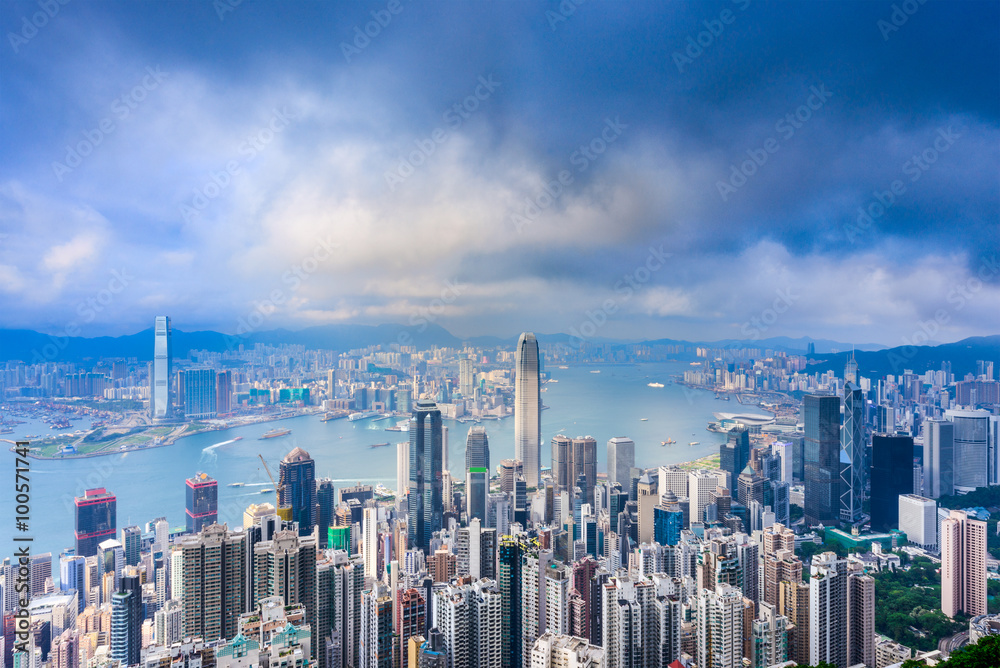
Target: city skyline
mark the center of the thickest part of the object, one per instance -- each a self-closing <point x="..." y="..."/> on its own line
<point x="300" y="195"/>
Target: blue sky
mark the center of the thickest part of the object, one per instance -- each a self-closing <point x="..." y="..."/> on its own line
<point x="682" y="170"/>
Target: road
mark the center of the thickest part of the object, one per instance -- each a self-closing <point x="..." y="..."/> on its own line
<point x="948" y="645"/>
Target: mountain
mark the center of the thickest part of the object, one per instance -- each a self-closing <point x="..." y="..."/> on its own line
<point x="876" y="364"/>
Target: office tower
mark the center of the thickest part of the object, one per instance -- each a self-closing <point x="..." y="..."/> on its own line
<point x="131" y="539"/>
<point x="769" y="638"/>
<point x="574" y="460"/>
<point x="892" y="475"/>
<point x="562" y="453"/>
<point x="553" y="650"/>
<point x="202" y="504"/>
<point x="197" y="387"/>
<point x="72" y="576"/>
<point x="853" y="472"/>
<point x="509" y="470"/>
<point x="126" y="620"/>
<point x="297" y="487"/>
<point x="783" y="451"/>
<point x="750" y="487"/>
<point x="528" y="408"/>
<point x="224" y="392"/>
<point x="286" y="566"/>
<point x="860" y="619"/>
<point x="993" y="453"/>
<point x="466" y="378"/>
<point x="376" y="628"/>
<point x="827" y="610"/>
<point x="939" y="458"/>
<point x="701" y="487"/>
<point x="213" y="581"/>
<point x="621" y="460"/>
<point x="963" y="565"/>
<point x="40" y="570"/>
<point x="424" y="499"/>
<point x="821" y="415"/>
<point x="668" y="520"/>
<point x="971" y="468"/>
<point x="325" y="508"/>
<point x="477" y="467"/>
<point x="734" y="454"/>
<point x="95" y="520"/>
<point x="918" y="520"/>
<point x="720" y="627"/>
<point x="647" y="500"/>
<point x="161" y="397"/>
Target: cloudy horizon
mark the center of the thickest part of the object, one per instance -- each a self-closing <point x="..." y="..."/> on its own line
<point x="700" y="171"/>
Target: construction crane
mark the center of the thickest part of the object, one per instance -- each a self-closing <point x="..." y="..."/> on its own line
<point x="284" y="512"/>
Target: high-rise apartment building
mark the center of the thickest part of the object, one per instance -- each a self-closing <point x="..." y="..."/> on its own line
<point x="720" y="627"/>
<point x="860" y="619"/>
<point x="963" y="564"/>
<point x="95" y="520"/>
<point x="853" y="470"/>
<point x="892" y="476"/>
<point x="621" y="460"/>
<point x="202" y="502"/>
<point x="528" y="408"/>
<point x="297" y="483"/>
<point x="160" y="390"/>
<point x="213" y="581"/>
<point x="224" y="392"/>
<point x="821" y="415"/>
<point x="424" y="500"/>
<point x="769" y="638"/>
<point x="286" y="566"/>
<point x="828" y="611"/>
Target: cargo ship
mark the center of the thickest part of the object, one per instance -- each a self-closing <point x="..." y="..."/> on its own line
<point x="275" y="433"/>
<point x="379" y="445"/>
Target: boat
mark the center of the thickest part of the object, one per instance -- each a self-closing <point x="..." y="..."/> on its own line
<point x="643" y="419"/>
<point x="669" y="441"/>
<point x="266" y="490"/>
<point x="562" y="367"/>
<point x="60" y="424"/>
<point x="693" y="443"/>
<point x="361" y="416"/>
<point x="379" y="445"/>
<point x="236" y="484"/>
<point x="595" y="371"/>
<point x="275" y="433"/>
<point x="654" y="384"/>
<point x="553" y="380"/>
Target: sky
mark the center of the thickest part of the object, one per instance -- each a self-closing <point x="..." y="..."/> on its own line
<point x="700" y="170"/>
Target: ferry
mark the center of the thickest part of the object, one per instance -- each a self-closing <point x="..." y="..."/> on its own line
<point x="266" y="490"/>
<point x="654" y="384"/>
<point x="643" y="419"/>
<point x="693" y="443"/>
<point x="275" y="433"/>
<point x="236" y="484"/>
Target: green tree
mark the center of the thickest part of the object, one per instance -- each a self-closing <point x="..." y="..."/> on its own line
<point x="984" y="654"/>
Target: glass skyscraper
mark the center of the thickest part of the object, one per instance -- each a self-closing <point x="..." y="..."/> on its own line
<point x="160" y="393"/>
<point x="971" y="448"/>
<point x="892" y="475"/>
<point x="96" y="520"/>
<point x="734" y="454"/>
<point x="822" y="458"/>
<point x="477" y="468"/>
<point x="425" y="503"/>
<point x="297" y="480"/>
<point x="202" y="502"/>
<point x="852" y="455"/>
<point x="528" y="409"/>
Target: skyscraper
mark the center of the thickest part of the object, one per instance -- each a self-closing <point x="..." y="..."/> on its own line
<point x="131" y="537"/>
<point x="918" y="520"/>
<point x="160" y="391"/>
<point x="734" y="454"/>
<point x="828" y="610"/>
<point x="939" y="458"/>
<point x="425" y="503"/>
<point x="621" y="459"/>
<point x="202" y="507"/>
<point x="720" y="627"/>
<point x="95" y="520"/>
<point x="325" y="508"/>
<point x="466" y="378"/>
<point x="213" y="581"/>
<point x="477" y="467"/>
<point x="971" y="448"/>
<point x="860" y="619"/>
<point x="822" y="458"/>
<point x="854" y="473"/>
<point x="198" y="387"/>
<point x="286" y="566"/>
<point x="513" y="552"/>
<point x="126" y="620"/>
<point x="224" y="392"/>
<point x="892" y="476"/>
<point x="297" y="482"/>
<point x="528" y="408"/>
<point x="963" y="565"/>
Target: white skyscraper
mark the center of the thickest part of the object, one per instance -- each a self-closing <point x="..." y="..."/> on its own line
<point x="402" y="469"/>
<point x="369" y="530"/>
<point x="918" y="520"/>
<point x="720" y="627"/>
<point x="528" y="409"/>
<point x="971" y="448"/>
<point x="160" y="392"/>
<point x="828" y="610"/>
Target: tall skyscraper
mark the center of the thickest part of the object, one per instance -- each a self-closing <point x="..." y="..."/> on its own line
<point x="198" y="387"/>
<point x="822" y="458"/>
<point x="939" y="458"/>
<point x="528" y="409"/>
<point x="297" y="480"/>
<point x="72" y="575"/>
<point x="734" y="454"/>
<point x="369" y="541"/>
<point x="95" y="520"/>
<point x="160" y="390"/>
<point x="963" y="565"/>
<point x="325" y="508"/>
<point x="828" y="610"/>
<point x="918" y="520"/>
<point x="853" y="471"/>
<point x="466" y="378"/>
<point x="769" y="638"/>
<point x="860" y="619"/>
<point x="477" y="467"/>
<point x="971" y="448"/>
<point x="126" y="620"/>
<point x="892" y="476"/>
<point x="213" y="581"/>
<point x="131" y="537"/>
<point x="202" y="506"/>
<point x="573" y="458"/>
<point x="513" y="551"/>
<point x="621" y="460"/>
<point x="425" y="503"/>
<point x="224" y="392"/>
<point x="720" y="627"/>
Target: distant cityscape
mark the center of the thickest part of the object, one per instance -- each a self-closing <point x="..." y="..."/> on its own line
<point x="789" y="546"/>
